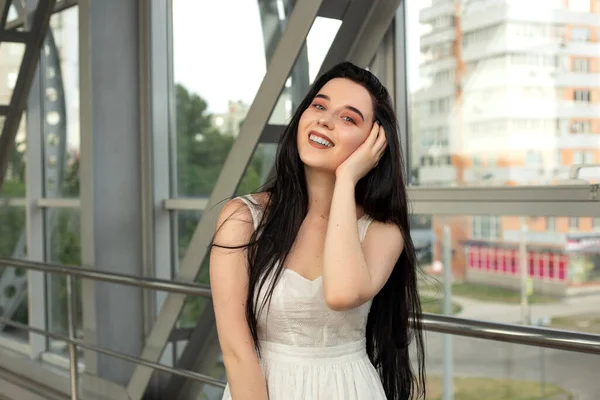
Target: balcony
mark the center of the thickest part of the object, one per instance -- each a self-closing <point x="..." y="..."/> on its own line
<point x="572" y="109"/>
<point x="577" y="79"/>
<point x="437" y="37"/>
<point x="428" y="14"/>
<point x="475" y="18"/>
<point x="578" y="141"/>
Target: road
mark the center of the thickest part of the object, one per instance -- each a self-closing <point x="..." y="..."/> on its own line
<point x="578" y="373"/>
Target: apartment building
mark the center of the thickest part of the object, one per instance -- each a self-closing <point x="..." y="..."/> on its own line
<point x="511" y="97"/>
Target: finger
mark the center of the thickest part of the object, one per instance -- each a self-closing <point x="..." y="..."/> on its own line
<point x="381" y="141"/>
<point x="372" y="138"/>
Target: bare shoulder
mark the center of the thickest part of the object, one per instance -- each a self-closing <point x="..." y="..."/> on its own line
<point x="234" y="224"/>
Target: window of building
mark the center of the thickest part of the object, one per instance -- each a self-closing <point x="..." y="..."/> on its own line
<point x="581" y="126"/>
<point x="582" y="96"/>
<point x="551" y="224"/>
<point x="588" y="157"/>
<point x="581" y="65"/>
<point x="579" y="5"/>
<point x="580" y="34"/>
<point x="574" y="223"/>
<point x="578" y="157"/>
<point x="596" y="223"/>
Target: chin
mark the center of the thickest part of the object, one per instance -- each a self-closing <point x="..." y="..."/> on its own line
<point x="318" y="162"/>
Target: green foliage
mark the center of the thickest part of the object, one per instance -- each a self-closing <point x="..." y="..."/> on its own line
<point x="201" y="151"/>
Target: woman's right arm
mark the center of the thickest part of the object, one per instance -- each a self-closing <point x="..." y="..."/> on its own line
<point x="229" y="283"/>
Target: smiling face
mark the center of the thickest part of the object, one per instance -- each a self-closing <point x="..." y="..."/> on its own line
<point x="335" y="124"/>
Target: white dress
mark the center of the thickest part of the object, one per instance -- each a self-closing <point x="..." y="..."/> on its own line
<point x="310" y="352"/>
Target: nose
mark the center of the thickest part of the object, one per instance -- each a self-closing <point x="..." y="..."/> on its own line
<point x="325" y="120"/>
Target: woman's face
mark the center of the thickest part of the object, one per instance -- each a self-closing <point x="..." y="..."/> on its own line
<point x="335" y="124"/>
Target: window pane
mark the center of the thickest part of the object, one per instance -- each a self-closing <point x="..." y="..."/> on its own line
<point x="11" y="55"/>
<point x="560" y="265"/>
<point x="496" y="94"/>
<point x="213" y="98"/>
<point x="13" y="282"/>
<point x="61" y="105"/>
<point x="64" y="247"/>
<point x="485" y="369"/>
<point x="14" y="181"/>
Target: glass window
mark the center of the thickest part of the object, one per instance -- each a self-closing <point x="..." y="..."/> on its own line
<point x="212" y="105"/>
<point x="486" y="264"/>
<point x="551" y="224"/>
<point x="580" y="34"/>
<point x="496" y="81"/>
<point x="13" y="282"/>
<point x="486" y="369"/>
<point x="582" y="96"/>
<point x="61" y="106"/>
<point x="579" y="5"/>
<point x="581" y="65"/>
<point x="574" y="223"/>
<point x="63" y="247"/>
<point x="582" y="126"/>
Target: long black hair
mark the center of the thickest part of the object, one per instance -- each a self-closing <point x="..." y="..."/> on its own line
<point x="394" y="320"/>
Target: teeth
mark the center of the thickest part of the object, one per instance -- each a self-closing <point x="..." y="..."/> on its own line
<point x="320" y="140"/>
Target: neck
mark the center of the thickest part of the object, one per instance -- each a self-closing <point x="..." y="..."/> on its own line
<point x="320" y="186"/>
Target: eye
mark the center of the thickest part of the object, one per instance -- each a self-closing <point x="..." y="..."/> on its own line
<point x="349" y="119"/>
<point x="319" y="107"/>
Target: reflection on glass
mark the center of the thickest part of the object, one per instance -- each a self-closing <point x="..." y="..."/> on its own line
<point x="502" y="371"/>
<point x="60" y="104"/>
<point x="13" y="282"/>
<point x="502" y="92"/>
<point x="64" y="247"/>
<point x="561" y="263"/>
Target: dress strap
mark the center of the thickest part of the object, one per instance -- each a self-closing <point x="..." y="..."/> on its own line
<point x="254" y="208"/>
<point x="363" y="225"/>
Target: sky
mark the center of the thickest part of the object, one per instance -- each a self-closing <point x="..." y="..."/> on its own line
<point x="218" y="48"/>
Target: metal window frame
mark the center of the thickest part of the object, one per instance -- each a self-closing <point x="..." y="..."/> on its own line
<point x="278" y="71"/>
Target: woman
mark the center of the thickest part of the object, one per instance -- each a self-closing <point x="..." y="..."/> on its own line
<point x="314" y="279"/>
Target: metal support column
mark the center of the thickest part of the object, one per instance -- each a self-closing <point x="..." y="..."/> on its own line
<point x="111" y="181"/>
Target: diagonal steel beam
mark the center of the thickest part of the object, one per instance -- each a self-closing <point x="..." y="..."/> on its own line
<point x="41" y="22"/>
<point x="373" y="31"/>
<point x="278" y="71"/>
<point x="4" y="9"/>
<point x="357" y="40"/>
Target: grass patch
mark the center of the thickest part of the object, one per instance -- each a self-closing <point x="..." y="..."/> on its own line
<point x="495" y="389"/>
<point x="497" y="294"/>
<point x="588" y="323"/>
<point x="434" y="305"/>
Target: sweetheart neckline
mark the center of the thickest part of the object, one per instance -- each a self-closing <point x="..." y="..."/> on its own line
<point x="318" y="278"/>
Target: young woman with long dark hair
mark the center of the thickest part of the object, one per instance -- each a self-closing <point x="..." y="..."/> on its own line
<point x="314" y="279"/>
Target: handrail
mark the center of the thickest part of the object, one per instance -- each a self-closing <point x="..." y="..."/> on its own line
<point x="189" y="288"/>
<point x="511" y="333"/>
<point x="80" y="343"/>
<point x="518" y="334"/>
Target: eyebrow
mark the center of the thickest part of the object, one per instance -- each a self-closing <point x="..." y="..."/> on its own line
<point x="354" y="109"/>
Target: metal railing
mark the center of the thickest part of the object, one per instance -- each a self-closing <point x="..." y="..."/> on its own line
<point x="517" y="334"/>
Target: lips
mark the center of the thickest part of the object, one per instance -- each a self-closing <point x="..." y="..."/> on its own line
<point x="322" y="136"/>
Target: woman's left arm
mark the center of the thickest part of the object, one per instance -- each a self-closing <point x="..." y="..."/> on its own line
<point x="353" y="273"/>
